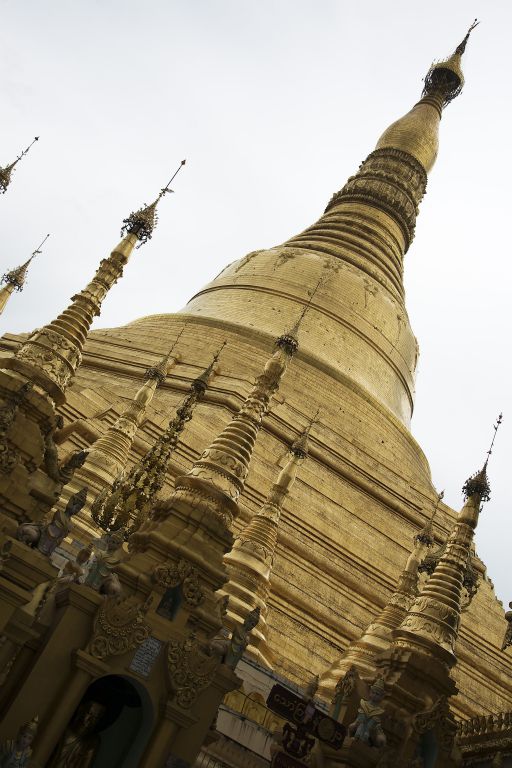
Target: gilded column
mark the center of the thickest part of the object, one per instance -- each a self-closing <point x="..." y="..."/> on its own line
<point x="249" y="563"/>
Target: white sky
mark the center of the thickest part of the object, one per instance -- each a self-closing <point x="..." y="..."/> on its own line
<point x="274" y="104"/>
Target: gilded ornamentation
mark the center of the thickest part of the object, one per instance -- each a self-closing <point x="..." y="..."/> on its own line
<point x="5" y="173"/>
<point x="119" y="627"/>
<point x="381" y="182"/>
<point x="143" y="222"/>
<point x="184" y="574"/>
<point x="345" y="687"/>
<point x="8" y="411"/>
<point x="129" y="502"/>
<point x="437" y="717"/>
<point x="191" y="668"/>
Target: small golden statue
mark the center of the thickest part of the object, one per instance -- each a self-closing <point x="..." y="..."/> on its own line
<point x="79" y="744"/>
<point x="16" y="753"/>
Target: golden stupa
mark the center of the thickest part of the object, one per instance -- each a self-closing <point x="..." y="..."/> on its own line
<point x="362" y="489"/>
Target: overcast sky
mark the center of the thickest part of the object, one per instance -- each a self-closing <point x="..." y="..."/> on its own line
<point x="274" y="104"/>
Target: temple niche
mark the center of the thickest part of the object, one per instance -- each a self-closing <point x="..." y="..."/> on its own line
<point x="220" y="544"/>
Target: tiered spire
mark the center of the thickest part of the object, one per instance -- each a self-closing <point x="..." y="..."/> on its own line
<point x="130" y="499"/>
<point x="109" y="454"/>
<point x="5" y="173"/>
<point x="52" y="354"/>
<point x="115" y="444"/>
<point x="250" y="562"/>
<point x="432" y="622"/>
<point x="362" y="652"/>
<point x="383" y="196"/>
<point x="15" y="279"/>
<point x="217" y="478"/>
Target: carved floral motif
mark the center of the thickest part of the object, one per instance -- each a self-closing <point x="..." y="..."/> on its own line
<point x="119" y="627"/>
<point x="191" y="668"/>
<point x="184" y="574"/>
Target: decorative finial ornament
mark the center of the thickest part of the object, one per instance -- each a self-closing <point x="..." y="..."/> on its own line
<point x="5" y="173"/>
<point x="462" y="46"/>
<point x="143" y="222"/>
<point x="299" y="447"/>
<point x="425" y="536"/>
<point x="159" y="371"/>
<point x="445" y="77"/>
<point x="16" y="277"/>
<point x="478" y="483"/>
<point x="289" y="341"/>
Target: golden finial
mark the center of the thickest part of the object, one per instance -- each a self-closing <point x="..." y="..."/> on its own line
<point x="478" y="483"/>
<point x="159" y="371"/>
<point x="290" y="341"/>
<point x="5" y="173"/>
<point x="16" y="277"/>
<point x="425" y="536"/>
<point x="462" y="46"/>
<point x="143" y="222"/>
<point x="205" y="376"/>
<point x="445" y="77"/>
<point x="299" y="447"/>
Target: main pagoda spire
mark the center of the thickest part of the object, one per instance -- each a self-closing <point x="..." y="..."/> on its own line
<point x="360" y="241"/>
<point x="370" y="222"/>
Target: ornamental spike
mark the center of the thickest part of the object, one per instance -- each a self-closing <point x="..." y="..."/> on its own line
<point x="5" y="173"/>
<point x="16" y="277"/>
<point x="143" y="222"/>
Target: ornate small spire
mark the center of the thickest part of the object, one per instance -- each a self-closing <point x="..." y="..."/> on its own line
<point x="143" y="222"/>
<point x="51" y="354"/>
<point x="160" y="371"/>
<point x="129" y="501"/>
<point x="377" y="638"/>
<point x="426" y="535"/>
<point x="433" y="619"/>
<point x="5" y="173"/>
<point x="219" y="475"/>
<point x="15" y="279"/>
<point x="249" y="563"/>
